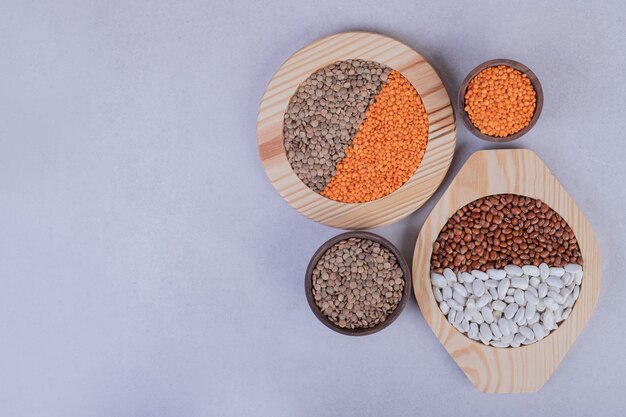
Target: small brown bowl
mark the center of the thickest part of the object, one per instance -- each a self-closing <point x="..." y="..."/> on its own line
<point x="308" y="285"/>
<point x="494" y="63"/>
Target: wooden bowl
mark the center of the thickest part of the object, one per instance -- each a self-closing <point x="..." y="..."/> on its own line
<point x="525" y="368"/>
<point x="426" y="178"/>
<point x="308" y="285"/>
<point x="494" y="63"/>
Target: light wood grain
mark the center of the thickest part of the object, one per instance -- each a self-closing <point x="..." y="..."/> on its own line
<point x="527" y="368"/>
<point x="441" y="136"/>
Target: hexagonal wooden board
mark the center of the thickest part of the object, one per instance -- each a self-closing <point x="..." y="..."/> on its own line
<point x="441" y="130"/>
<point x="526" y="368"/>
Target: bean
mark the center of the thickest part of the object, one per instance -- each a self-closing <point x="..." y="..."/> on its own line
<point x="438" y="280"/>
<point x="510" y="310"/>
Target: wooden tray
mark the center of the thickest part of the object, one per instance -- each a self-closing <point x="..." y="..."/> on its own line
<point x="526" y="368"/>
<point x="441" y="136"/>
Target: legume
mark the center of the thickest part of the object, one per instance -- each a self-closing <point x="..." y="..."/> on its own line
<point x="517" y="309"/>
<point x="357" y="283"/>
<point x="324" y="114"/>
<point x="355" y="131"/>
<point x="506" y="270"/>
<point x="500" y="101"/>
<point x="504" y="229"/>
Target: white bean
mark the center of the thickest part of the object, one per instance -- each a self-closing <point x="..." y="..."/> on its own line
<point x="531" y="270"/>
<point x="538" y="331"/>
<point x="485" y="331"/>
<point x="503" y="324"/>
<point x="438" y="280"/>
<point x="467" y="277"/>
<point x="449" y="275"/>
<point x="578" y="279"/>
<point x="514" y="270"/>
<point x="510" y="310"/>
<point x="554" y="282"/>
<point x="567" y="278"/>
<point x="480" y="275"/>
<point x="527" y="333"/>
<point x="437" y="294"/>
<point x="491" y="283"/>
<point x="451" y="316"/>
<point x="465" y="325"/>
<point x="534" y="282"/>
<point x="496" y="274"/>
<point x="530" y="297"/>
<point x="477" y="317"/>
<point x="531" y="309"/>
<point x="517" y="340"/>
<point x="494" y="293"/>
<point x="573" y="268"/>
<point x="567" y="312"/>
<point x="506" y="307"/>
<point x="458" y="326"/>
<point x="548" y="320"/>
<point x="483" y="300"/>
<point x="487" y="314"/>
<point x="479" y="287"/>
<point x="454" y="305"/>
<point x="444" y="307"/>
<point x="556" y="296"/>
<point x="456" y="287"/>
<point x="541" y="306"/>
<point x="459" y="317"/>
<point x="473" y="330"/>
<point x="503" y="287"/>
<point x="458" y="298"/>
<point x="498" y="305"/>
<point x="565" y="291"/>
<point x="542" y="290"/>
<point x="558" y="314"/>
<point x="557" y="271"/>
<point x="534" y="319"/>
<point x="551" y="304"/>
<point x="495" y="330"/>
<point x="521" y="283"/>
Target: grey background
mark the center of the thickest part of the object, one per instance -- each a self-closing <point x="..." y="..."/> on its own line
<point x="148" y="267"/>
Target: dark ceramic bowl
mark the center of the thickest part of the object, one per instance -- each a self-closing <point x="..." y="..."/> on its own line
<point x="308" y="285"/>
<point x="494" y="63"/>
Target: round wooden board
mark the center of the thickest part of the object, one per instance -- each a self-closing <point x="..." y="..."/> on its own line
<point x="441" y="135"/>
<point x="526" y="368"/>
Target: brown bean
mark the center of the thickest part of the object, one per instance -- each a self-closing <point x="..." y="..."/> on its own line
<point x="502" y="229"/>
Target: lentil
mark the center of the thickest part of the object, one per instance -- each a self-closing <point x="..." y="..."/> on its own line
<point x="387" y="148"/>
<point x="323" y="116"/>
<point x="357" y="283"/>
<point x="355" y="131"/>
<point x="500" y="101"/>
